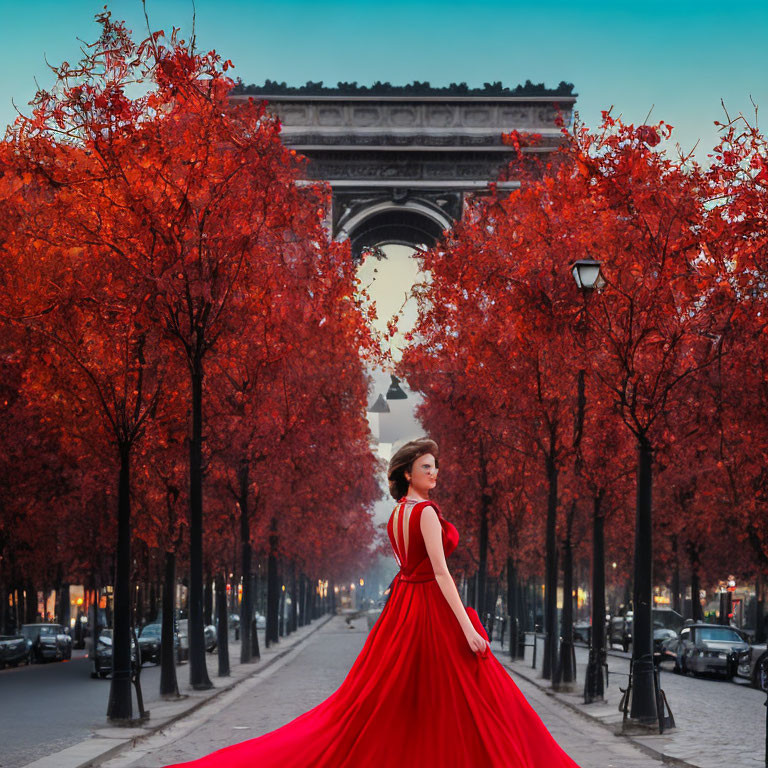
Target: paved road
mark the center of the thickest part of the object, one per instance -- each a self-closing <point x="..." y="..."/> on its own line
<point x="47" y="707"/>
<point x="311" y="674"/>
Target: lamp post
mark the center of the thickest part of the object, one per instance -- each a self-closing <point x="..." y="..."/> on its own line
<point x="643" y="695"/>
<point x="395" y="391"/>
<point x="586" y="273"/>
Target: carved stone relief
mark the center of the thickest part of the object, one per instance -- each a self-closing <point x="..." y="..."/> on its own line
<point x="498" y="116"/>
<point x="379" y="147"/>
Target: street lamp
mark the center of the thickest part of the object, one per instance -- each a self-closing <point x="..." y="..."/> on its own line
<point x="588" y="277"/>
<point x="587" y="274"/>
<point x="395" y="392"/>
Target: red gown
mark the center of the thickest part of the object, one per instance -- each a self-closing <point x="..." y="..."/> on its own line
<point x="416" y="696"/>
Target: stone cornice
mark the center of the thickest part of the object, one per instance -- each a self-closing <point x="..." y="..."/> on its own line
<point x="412" y="99"/>
<point x="416" y="90"/>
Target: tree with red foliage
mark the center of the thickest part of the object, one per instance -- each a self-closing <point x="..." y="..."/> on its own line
<point x="172" y="212"/>
<point x="652" y="329"/>
<point x="501" y="306"/>
<point x="162" y="521"/>
<point x="38" y="486"/>
<point x="98" y="356"/>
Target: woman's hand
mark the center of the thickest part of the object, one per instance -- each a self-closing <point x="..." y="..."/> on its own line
<point x="477" y="642"/>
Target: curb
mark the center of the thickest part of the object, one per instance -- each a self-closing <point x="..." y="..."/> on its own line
<point x="648" y="750"/>
<point x="97" y="749"/>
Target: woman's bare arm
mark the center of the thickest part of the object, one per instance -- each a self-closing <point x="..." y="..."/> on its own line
<point x="432" y="532"/>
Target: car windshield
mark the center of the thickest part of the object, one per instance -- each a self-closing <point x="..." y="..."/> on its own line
<point x="49" y="631"/>
<point x="718" y="634"/>
<point x="667" y="619"/>
<point x="151" y="630"/>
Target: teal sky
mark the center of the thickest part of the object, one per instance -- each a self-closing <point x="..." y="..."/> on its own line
<point x="682" y="58"/>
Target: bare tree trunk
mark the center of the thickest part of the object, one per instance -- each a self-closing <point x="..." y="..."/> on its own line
<point x="246" y="604"/>
<point x="169" y="686"/>
<point x="273" y="587"/>
<point x="549" y="661"/>
<point x="222" y="620"/>
<point x="198" y="670"/>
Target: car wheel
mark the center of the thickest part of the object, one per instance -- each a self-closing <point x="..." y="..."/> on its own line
<point x="683" y="666"/>
<point x="103" y="674"/>
<point x="625" y="645"/>
<point x="677" y="669"/>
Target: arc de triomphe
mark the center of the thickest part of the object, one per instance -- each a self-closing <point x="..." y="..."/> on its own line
<point x="401" y="159"/>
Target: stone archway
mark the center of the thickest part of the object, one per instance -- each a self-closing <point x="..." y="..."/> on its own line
<point x="379" y="222"/>
<point x="400" y="159"/>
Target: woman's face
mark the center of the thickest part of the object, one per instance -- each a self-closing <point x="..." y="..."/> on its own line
<point x="423" y="474"/>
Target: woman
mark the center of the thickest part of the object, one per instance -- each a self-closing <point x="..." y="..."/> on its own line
<point x="425" y="691"/>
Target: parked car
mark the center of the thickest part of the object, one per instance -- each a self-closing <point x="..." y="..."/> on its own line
<point x="753" y="664"/>
<point x="582" y="631"/>
<point x="209" y="635"/>
<point x="620" y="629"/>
<point x="153" y="634"/>
<point x="667" y="623"/>
<point x="702" y="648"/>
<point x="14" y="650"/>
<point x="101" y="659"/>
<point x="149" y="643"/>
<point x="47" y="641"/>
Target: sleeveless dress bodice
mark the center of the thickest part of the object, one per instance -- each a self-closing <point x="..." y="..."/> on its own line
<point x="411" y="555"/>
